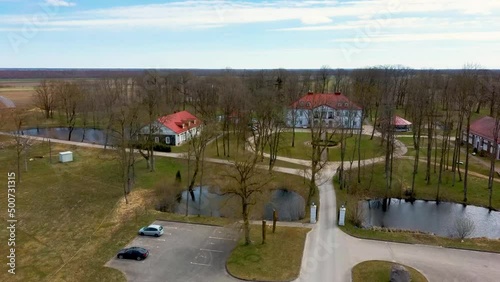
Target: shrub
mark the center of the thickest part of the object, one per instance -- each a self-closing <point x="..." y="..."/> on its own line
<point x="168" y="195"/>
<point x="463" y="227"/>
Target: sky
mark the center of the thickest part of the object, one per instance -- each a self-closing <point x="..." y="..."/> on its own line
<point x="249" y="34"/>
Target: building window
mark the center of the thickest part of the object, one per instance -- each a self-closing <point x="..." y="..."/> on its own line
<point x="157" y="140"/>
<point x="167" y="140"/>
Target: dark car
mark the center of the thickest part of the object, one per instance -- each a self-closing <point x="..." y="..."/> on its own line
<point x="136" y="253"/>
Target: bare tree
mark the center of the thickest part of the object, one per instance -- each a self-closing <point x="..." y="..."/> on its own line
<point x="125" y="127"/>
<point x="245" y="182"/>
<point x="18" y="120"/>
<point x="69" y="98"/>
<point x="323" y="79"/>
<point x="493" y="150"/>
<point x="44" y="98"/>
<point x="463" y="227"/>
<point x="468" y="89"/>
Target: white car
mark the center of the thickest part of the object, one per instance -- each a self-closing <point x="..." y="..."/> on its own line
<point x="152" y="230"/>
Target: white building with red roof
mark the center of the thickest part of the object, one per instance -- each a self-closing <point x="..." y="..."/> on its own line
<point x="482" y="135"/>
<point x="334" y="109"/>
<point x="174" y="129"/>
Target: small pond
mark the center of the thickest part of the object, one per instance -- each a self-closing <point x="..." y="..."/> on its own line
<point x="87" y="135"/>
<point x="210" y="205"/>
<point x="289" y="205"/>
<point x="427" y="216"/>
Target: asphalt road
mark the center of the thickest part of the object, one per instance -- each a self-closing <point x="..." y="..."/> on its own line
<point x="186" y="252"/>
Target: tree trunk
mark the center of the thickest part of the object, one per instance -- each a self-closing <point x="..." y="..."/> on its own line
<point x="246" y="222"/>
<point x="466" y="173"/>
<point x="429" y="151"/>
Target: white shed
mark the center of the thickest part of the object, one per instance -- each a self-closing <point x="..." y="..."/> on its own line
<point x="65" y="157"/>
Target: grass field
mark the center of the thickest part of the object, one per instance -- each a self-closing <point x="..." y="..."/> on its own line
<point x="72" y="218"/>
<point x="477" y="192"/>
<point x="279" y="259"/>
<point x="379" y="271"/>
<point x="303" y="150"/>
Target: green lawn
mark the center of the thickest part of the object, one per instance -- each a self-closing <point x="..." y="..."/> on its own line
<point x="402" y="176"/>
<point x="380" y="271"/>
<point x="71" y="216"/>
<point x="303" y="150"/>
<point x="279" y="259"/>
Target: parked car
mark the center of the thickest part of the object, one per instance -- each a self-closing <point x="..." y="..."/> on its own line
<point x="136" y="253"/>
<point x="152" y="230"/>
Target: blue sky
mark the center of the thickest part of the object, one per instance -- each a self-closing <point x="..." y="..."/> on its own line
<point x="249" y="34"/>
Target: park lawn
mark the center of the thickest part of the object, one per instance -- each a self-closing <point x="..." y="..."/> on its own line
<point x="279" y="259"/>
<point x="302" y="149"/>
<point x="379" y="271"/>
<point x="402" y="177"/>
<point x="72" y="217"/>
<point x="237" y="149"/>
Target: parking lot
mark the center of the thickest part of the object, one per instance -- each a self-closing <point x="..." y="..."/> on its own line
<point x="185" y="252"/>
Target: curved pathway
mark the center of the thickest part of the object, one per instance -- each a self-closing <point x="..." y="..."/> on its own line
<point x="329" y="253"/>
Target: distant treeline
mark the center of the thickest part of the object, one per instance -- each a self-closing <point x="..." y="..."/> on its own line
<point x="103" y="73"/>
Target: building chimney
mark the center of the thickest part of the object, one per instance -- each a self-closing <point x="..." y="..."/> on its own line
<point x="310" y="92"/>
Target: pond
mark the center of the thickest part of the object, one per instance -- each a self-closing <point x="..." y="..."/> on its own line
<point x="442" y="219"/>
<point x="86" y="135"/>
<point x="211" y="203"/>
<point x="289" y="205"/>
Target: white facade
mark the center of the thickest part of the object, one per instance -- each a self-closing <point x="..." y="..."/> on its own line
<point x="482" y="144"/>
<point x="164" y="134"/>
<point x="334" y="118"/>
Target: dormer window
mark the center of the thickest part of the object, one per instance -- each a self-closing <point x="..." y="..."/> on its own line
<point x="183" y="125"/>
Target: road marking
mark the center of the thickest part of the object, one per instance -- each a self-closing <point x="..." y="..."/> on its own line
<point x="208" y="250"/>
<point x="204" y="264"/>
<point x="219" y="238"/>
<point x="163" y="240"/>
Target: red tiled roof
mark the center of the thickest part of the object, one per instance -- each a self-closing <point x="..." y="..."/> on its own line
<point x="399" y="121"/>
<point x="333" y="100"/>
<point x="484" y="127"/>
<point x="175" y="121"/>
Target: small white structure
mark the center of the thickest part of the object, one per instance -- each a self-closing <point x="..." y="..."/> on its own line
<point x="65" y="157"/>
<point x="313" y="213"/>
<point x="342" y="216"/>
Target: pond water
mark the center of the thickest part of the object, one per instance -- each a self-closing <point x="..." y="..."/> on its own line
<point x="211" y="203"/>
<point x="289" y="205"/>
<point x="86" y="135"/>
<point x="427" y="216"/>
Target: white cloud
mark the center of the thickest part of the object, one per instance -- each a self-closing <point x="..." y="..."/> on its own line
<point x="411" y="37"/>
<point x="315" y="19"/>
<point x="217" y="13"/>
<point x="59" y="3"/>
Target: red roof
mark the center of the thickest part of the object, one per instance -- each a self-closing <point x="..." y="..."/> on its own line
<point x="484" y="127"/>
<point x="175" y="121"/>
<point x="399" y="121"/>
<point x="333" y="100"/>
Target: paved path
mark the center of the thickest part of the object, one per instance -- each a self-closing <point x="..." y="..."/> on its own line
<point x="330" y="254"/>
